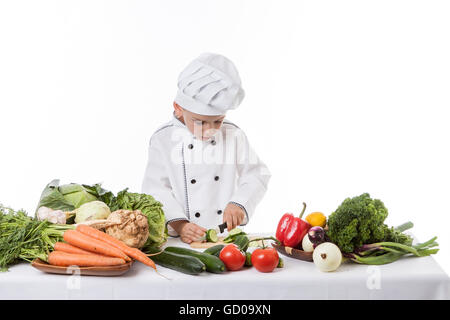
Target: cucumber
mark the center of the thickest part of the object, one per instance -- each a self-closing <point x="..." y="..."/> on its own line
<point x="248" y="259"/>
<point x="235" y="231"/>
<point x="213" y="264"/>
<point x="280" y="263"/>
<point x="242" y="242"/>
<point x="182" y="263"/>
<point x="214" y="250"/>
<point x="232" y="235"/>
<point x="211" y="235"/>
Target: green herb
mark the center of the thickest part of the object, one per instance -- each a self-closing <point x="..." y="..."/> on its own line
<point x="24" y="238"/>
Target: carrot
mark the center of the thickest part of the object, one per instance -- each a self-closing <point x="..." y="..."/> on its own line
<point x="64" y="259"/>
<point x="132" y="252"/>
<point x="85" y="242"/>
<point x="68" y="248"/>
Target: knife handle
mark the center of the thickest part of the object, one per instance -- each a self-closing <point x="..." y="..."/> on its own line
<point x="222" y="227"/>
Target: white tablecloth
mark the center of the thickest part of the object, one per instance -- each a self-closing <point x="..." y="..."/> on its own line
<point x="408" y="278"/>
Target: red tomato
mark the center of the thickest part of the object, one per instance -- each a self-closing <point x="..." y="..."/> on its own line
<point x="265" y="260"/>
<point x="232" y="257"/>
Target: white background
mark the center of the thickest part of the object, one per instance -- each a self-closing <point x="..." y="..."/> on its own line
<point x="343" y="97"/>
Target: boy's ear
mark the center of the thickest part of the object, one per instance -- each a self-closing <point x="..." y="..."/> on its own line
<point x="177" y="106"/>
<point x="178" y="110"/>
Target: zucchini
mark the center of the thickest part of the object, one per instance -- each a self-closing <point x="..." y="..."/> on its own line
<point x="242" y="242"/>
<point x="213" y="264"/>
<point x="178" y="262"/>
<point x="214" y="250"/>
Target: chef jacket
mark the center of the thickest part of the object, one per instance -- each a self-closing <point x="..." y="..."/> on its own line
<point x="196" y="179"/>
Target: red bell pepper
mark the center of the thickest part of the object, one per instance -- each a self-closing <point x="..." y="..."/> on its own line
<point x="282" y="225"/>
<point x="296" y="230"/>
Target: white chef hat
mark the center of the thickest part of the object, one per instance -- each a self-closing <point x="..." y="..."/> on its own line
<point x="209" y="85"/>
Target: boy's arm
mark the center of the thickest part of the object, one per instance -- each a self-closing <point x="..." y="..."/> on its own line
<point x="253" y="177"/>
<point x="156" y="183"/>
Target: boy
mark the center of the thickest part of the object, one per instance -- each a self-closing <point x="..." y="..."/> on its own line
<point x="200" y="166"/>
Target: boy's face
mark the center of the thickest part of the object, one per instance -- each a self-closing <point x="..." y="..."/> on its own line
<point x="202" y="127"/>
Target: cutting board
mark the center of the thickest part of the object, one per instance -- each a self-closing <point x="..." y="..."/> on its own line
<point x="205" y="245"/>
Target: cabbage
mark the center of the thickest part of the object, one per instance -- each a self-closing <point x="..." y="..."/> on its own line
<point x="94" y="210"/>
<point x="76" y="194"/>
<point x="70" y="196"/>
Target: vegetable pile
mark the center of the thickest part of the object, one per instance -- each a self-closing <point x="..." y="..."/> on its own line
<point x="92" y="202"/>
<point x="220" y="258"/>
<point x="131" y="219"/>
<point x="355" y="230"/>
<point x="360" y="220"/>
<point x="357" y="227"/>
<point x="25" y="238"/>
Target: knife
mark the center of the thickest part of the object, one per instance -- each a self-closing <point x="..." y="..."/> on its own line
<point x="221" y="227"/>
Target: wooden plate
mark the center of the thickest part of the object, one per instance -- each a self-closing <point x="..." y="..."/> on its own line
<point x="293" y="253"/>
<point x="106" y="271"/>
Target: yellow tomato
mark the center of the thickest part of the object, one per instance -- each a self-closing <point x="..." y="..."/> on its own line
<point x="316" y="219"/>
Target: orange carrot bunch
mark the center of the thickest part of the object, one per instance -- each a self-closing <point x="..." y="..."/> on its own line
<point x="87" y="246"/>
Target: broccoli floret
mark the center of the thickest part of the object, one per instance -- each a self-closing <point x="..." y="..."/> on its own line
<point x="360" y="220"/>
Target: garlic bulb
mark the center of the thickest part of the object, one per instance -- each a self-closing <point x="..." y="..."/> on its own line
<point x="54" y="216"/>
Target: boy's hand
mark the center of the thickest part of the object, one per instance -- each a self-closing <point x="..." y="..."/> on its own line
<point x="233" y="216"/>
<point x="188" y="231"/>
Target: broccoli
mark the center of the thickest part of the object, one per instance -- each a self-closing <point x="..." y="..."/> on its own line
<point x="360" y="220"/>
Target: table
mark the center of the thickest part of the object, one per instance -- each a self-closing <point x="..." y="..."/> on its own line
<point x="408" y="278"/>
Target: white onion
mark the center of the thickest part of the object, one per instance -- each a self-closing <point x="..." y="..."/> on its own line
<point x="307" y="245"/>
<point x="327" y="256"/>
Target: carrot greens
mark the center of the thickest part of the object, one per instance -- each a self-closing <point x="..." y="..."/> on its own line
<point x="24" y="238"/>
